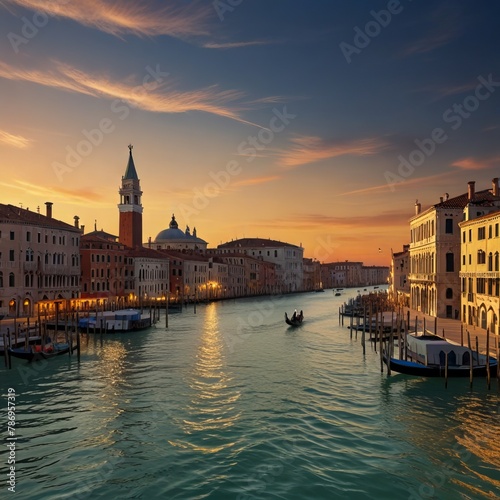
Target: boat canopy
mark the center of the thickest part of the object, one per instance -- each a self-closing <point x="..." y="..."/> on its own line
<point x="431" y="350"/>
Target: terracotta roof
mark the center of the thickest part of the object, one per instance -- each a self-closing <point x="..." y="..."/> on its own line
<point x="102" y="234"/>
<point x="178" y="254"/>
<point x="148" y="253"/>
<point x="255" y="242"/>
<point x="12" y="214"/>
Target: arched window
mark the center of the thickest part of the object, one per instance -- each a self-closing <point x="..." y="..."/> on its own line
<point x="12" y="279"/>
<point x="1" y="279"/>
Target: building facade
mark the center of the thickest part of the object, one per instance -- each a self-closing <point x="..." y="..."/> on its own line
<point x="287" y="258"/>
<point x="39" y="261"/>
<point x="435" y="251"/>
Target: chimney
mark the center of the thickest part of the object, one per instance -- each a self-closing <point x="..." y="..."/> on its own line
<point x="471" y="190"/>
<point x="440" y="199"/>
<point x="77" y="221"/>
<point x="83" y="228"/>
<point x="495" y="189"/>
<point x="418" y="207"/>
<point x="48" y="211"/>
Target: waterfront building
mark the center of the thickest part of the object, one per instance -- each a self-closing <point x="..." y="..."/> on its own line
<point x="218" y="277"/>
<point x="39" y="261"/>
<point x="236" y="275"/>
<point x="107" y="271"/>
<point x="189" y="276"/>
<point x="287" y="258"/>
<point x="435" y="252"/>
<point x="151" y="273"/>
<point x="130" y="206"/>
<point x="374" y="275"/>
<point x="480" y="267"/>
<point x="399" y="279"/>
<point x="312" y="275"/>
<point x="174" y="238"/>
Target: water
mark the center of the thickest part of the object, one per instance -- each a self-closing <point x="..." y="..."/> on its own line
<point x="230" y="403"/>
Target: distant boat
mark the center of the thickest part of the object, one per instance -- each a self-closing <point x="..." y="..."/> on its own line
<point x="319" y="290"/>
<point x="295" y="320"/>
<point x="428" y="358"/>
<point x="337" y="294"/>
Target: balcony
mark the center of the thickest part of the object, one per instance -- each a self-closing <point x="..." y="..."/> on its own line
<point x="422" y="277"/>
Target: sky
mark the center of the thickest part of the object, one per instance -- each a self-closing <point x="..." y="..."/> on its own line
<point x="315" y="123"/>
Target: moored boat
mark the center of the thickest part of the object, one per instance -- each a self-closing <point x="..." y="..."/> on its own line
<point x="122" y="320"/>
<point x="36" y="352"/>
<point x="433" y="356"/>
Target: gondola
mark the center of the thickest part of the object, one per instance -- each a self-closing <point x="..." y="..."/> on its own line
<point x="36" y="352"/>
<point x="428" y="355"/>
<point x="295" y="320"/>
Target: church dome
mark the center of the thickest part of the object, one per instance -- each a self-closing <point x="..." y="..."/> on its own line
<point x="175" y="235"/>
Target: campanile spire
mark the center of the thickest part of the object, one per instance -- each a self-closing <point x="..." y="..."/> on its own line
<point x="130" y="206"/>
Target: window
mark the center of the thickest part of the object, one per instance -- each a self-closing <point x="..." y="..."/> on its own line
<point x="481" y="257"/>
<point x="1" y="279"/>
<point x="496" y="230"/>
<point x="481" y="233"/>
<point x="463" y="236"/>
<point x="11" y="255"/>
<point x="12" y="235"/>
<point x="490" y="231"/>
<point x="450" y="262"/>
<point x="490" y="262"/>
<point x="12" y="279"/>
<point x="449" y="226"/>
<point x="28" y="236"/>
<point x="449" y="293"/>
<point x="470" y="234"/>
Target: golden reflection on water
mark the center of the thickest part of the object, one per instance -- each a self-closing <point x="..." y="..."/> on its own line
<point x="212" y="405"/>
<point x="480" y="436"/>
<point x="111" y="374"/>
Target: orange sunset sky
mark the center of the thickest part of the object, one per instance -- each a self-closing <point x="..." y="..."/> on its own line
<point x="316" y="124"/>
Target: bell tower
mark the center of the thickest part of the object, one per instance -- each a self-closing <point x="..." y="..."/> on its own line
<point x="130" y="206"/>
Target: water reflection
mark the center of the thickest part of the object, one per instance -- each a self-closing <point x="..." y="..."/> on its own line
<point x="212" y="406"/>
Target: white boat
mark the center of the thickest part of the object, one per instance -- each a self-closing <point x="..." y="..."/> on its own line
<point x="122" y="320"/>
<point x="428" y="355"/>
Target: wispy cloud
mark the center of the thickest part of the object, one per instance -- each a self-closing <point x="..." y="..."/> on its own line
<point x="310" y="149"/>
<point x="470" y="163"/>
<point x="82" y="196"/>
<point x="404" y="184"/>
<point x="257" y="180"/>
<point x="234" y="45"/>
<point x="160" y="97"/>
<point x="125" y="16"/>
<point x="16" y="141"/>
<point x="444" y="25"/>
<point x="316" y="221"/>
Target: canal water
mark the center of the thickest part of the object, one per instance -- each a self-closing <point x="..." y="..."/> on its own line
<point x="231" y="403"/>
